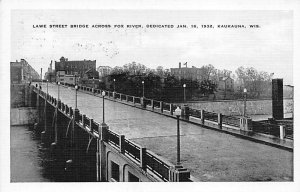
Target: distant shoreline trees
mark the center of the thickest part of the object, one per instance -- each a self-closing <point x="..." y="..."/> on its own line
<point x="161" y="85"/>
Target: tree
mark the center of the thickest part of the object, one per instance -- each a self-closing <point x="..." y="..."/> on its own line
<point x="207" y="87"/>
<point x="208" y="71"/>
<point x="160" y="71"/>
<point x="256" y="82"/>
<point x="117" y="70"/>
<point x="134" y="68"/>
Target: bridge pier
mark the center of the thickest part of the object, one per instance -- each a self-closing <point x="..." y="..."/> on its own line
<point x="45" y="134"/>
<point x="54" y="144"/>
<point x="39" y="123"/>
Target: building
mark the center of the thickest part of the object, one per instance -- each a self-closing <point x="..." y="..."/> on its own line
<point x="192" y="73"/>
<point x="71" y="71"/>
<point x="22" y="72"/>
<point x="65" y="78"/>
<point x="226" y="84"/>
<point x="50" y="74"/>
<point x="104" y="71"/>
<point x="78" y="68"/>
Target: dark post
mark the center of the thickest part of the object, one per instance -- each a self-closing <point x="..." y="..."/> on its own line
<point x="143" y="158"/>
<point x="277" y="98"/>
<point x="220" y="120"/>
<point x="122" y="143"/>
<point x="178" y="141"/>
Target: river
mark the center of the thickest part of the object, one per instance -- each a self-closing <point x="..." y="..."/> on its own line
<point x="31" y="161"/>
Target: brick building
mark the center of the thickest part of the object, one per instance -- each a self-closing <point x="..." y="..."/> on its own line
<point x="22" y="72"/>
<point x="77" y="67"/>
<point x="192" y="73"/>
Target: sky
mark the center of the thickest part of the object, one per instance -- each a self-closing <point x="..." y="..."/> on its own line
<point x="267" y="48"/>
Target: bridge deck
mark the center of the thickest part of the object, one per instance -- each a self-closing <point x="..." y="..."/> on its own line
<point x="210" y="155"/>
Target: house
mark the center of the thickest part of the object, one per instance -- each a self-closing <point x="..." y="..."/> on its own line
<point x="226" y="84"/>
<point x="104" y="71"/>
<point x="192" y="73"/>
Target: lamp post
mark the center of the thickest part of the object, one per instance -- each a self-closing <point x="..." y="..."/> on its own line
<point x="47" y="87"/>
<point x="76" y="88"/>
<point x="41" y="79"/>
<point x="178" y="113"/>
<point x="93" y="85"/>
<point x="103" y="95"/>
<point x="58" y="83"/>
<point x="245" y="101"/>
<point x="184" y="97"/>
<point x="114" y="85"/>
<point x="143" y="88"/>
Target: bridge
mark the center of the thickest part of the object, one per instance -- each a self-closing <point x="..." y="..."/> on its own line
<point x="141" y="139"/>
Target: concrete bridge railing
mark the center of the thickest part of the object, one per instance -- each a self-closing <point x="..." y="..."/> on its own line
<point x="62" y="124"/>
<point x="201" y="117"/>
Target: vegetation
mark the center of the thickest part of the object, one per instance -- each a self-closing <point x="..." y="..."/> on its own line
<point x="159" y="84"/>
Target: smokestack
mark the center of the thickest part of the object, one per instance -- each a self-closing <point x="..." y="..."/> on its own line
<point x="41" y="72"/>
<point x="179" y="65"/>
